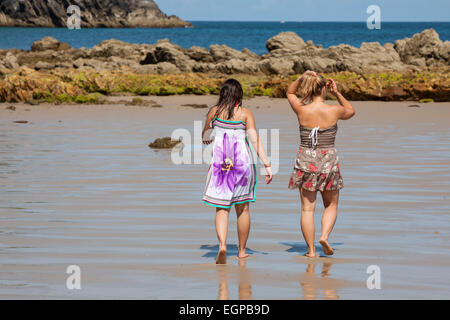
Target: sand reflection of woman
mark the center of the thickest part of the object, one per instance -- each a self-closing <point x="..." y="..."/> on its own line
<point x="231" y="177"/>
<point x="316" y="167"/>
<point x="245" y="287"/>
<point x="310" y="283"/>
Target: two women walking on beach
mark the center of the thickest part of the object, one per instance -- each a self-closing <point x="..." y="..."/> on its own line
<point x="231" y="177"/>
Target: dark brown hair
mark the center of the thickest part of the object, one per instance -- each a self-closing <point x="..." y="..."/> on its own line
<point x="230" y="98"/>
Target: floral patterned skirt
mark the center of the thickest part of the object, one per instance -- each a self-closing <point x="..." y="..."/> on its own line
<point x="316" y="170"/>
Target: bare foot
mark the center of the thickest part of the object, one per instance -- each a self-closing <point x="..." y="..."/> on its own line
<point x="242" y="255"/>
<point x="221" y="257"/>
<point x="310" y="255"/>
<point x="326" y="248"/>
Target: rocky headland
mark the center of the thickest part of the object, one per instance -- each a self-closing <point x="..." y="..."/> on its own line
<point x="409" y="69"/>
<point x="93" y="13"/>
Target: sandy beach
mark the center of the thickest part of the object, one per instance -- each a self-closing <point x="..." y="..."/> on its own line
<point x="80" y="186"/>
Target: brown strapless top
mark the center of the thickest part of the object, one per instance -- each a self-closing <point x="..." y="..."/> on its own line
<point x="318" y="138"/>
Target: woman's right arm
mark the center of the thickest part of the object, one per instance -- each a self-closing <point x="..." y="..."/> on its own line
<point x="347" y="111"/>
<point x="206" y="137"/>
<point x="291" y="95"/>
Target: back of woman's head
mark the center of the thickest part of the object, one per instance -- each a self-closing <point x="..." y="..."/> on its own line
<point x="230" y="97"/>
<point x="311" y="85"/>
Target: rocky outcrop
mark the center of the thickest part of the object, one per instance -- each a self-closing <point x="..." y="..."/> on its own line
<point x="49" y="43"/>
<point x="288" y="54"/>
<point x="412" y="68"/>
<point x="424" y="49"/>
<point x="288" y="41"/>
<point x="94" y="14"/>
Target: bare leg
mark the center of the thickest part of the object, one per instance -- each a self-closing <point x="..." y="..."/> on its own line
<point x="330" y="203"/>
<point x="243" y="227"/>
<point x="222" y="230"/>
<point x="307" y="219"/>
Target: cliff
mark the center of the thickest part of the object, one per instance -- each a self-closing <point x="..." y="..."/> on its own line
<point x="94" y="14"/>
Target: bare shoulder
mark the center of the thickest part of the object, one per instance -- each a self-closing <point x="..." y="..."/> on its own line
<point x="247" y="116"/>
<point x="334" y="108"/>
<point x="246" y="111"/>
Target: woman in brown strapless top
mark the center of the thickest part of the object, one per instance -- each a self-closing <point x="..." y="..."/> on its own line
<point x="316" y="167"/>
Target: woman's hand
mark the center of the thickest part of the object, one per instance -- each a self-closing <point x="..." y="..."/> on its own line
<point x="207" y="136"/>
<point x="269" y="174"/>
<point x="331" y="85"/>
<point x="208" y="140"/>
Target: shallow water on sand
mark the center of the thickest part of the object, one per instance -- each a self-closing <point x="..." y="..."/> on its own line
<point x="79" y="186"/>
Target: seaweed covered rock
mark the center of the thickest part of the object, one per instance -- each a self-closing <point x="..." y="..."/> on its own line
<point x="166" y="143"/>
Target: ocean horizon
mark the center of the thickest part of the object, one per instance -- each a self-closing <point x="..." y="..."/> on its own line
<point x="236" y="34"/>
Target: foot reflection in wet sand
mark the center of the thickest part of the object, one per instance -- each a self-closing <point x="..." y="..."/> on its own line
<point x="311" y="284"/>
<point x="245" y="287"/>
<point x="223" y="293"/>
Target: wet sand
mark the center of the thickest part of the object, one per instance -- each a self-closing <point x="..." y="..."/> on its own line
<point x="79" y="186"/>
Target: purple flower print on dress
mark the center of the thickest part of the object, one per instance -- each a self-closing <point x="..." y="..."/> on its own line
<point x="230" y="164"/>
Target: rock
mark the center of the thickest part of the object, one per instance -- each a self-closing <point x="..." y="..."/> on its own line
<point x="166" y="68"/>
<point x="12" y="108"/>
<point x="49" y="43"/>
<point x="116" y="48"/>
<point x="10" y="62"/>
<point x="91" y="63"/>
<point x="138" y="102"/>
<point x="44" y="65"/>
<point x="204" y="67"/>
<point x="222" y="53"/>
<point x="317" y="64"/>
<point x="199" y="54"/>
<point x="95" y="13"/>
<point x="276" y="66"/>
<point x="168" y="52"/>
<point x="423" y="49"/>
<point x="250" y="54"/>
<point x="21" y="121"/>
<point x="286" y="40"/>
<point x="237" y="66"/>
<point x="165" y="143"/>
<point x="370" y="57"/>
<point x="146" y="69"/>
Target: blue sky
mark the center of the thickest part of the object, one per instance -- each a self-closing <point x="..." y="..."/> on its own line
<point x="306" y="10"/>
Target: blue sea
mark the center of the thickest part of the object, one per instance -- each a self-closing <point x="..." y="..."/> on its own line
<point x="239" y="35"/>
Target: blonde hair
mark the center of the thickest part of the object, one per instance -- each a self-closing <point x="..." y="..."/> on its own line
<point x="311" y="85"/>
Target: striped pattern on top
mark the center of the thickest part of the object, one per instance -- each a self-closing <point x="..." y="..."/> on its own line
<point x="325" y="137"/>
<point x="227" y="124"/>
